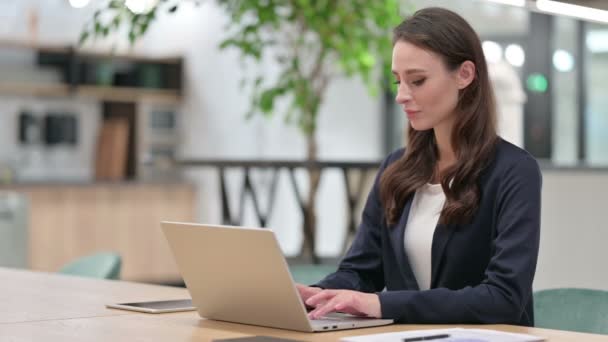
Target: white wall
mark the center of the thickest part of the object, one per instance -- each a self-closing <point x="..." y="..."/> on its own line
<point x="574" y="231"/>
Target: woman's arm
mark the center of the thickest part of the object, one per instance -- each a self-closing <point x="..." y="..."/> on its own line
<point x="361" y="268"/>
<point x="360" y="273"/>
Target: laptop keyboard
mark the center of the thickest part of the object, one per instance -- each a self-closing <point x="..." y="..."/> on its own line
<point x="329" y="319"/>
<point x="338" y="318"/>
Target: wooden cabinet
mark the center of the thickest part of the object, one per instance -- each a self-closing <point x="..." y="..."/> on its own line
<point x="69" y="221"/>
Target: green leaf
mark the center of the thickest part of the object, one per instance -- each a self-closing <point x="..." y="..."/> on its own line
<point x="115" y="4"/>
<point x="226" y="43"/>
<point x="116" y="22"/>
<point x="267" y="101"/>
<point x="132" y="37"/>
<point x="84" y="35"/>
<point x="367" y="60"/>
<point x="98" y="28"/>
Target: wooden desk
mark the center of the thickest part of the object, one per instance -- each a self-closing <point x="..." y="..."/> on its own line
<point x="48" y="307"/>
<point x="27" y="296"/>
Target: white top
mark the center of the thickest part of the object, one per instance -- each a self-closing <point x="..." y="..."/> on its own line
<point x="421" y="223"/>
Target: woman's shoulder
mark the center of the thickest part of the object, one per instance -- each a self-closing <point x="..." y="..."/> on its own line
<point x="511" y="157"/>
<point x="506" y="156"/>
<point x="394" y="156"/>
<point x="391" y="158"/>
<point x="508" y="152"/>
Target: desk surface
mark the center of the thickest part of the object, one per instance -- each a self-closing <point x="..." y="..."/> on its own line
<point x="50" y="307"/>
<point x="36" y="296"/>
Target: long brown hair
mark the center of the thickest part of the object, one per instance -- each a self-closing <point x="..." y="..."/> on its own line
<point x="473" y="136"/>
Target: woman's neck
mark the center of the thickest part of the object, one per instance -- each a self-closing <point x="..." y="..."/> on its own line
<point x="446" y="157"/>
<point x="443" y="139"/>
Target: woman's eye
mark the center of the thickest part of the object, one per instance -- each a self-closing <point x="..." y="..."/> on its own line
<point x="397" y="82"/>
<point x="419" y="82"/>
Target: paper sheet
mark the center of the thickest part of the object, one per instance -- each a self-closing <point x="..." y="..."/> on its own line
<point x="455" y="335"/>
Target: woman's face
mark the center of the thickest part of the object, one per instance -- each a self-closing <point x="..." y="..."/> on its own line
<point x="427" y="90"/>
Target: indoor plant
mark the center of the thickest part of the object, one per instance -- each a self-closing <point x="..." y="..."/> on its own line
<point x="312" y="41"/>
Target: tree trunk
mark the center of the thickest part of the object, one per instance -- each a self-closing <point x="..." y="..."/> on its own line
<point x="310" y="219"/>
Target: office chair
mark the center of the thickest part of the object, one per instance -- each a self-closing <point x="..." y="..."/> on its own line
<point x="309" y="274"/>
<point x="99" y="265"/>
<point x="582" y="310"/>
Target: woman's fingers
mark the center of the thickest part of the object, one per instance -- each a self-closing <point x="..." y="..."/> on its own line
<point x="324" y="309"/>
<point x="351" y="302"/>
<point x="307" y="291"/>
<point x="322" y="296"/>
<point x="343" y="301"/>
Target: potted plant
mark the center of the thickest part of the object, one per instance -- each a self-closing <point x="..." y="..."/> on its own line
<point x="313" y="42"/>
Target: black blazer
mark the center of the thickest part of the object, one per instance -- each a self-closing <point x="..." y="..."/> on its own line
<point x="481" y="272"/>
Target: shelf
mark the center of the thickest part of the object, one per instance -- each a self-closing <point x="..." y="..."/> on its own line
<point x="21" y="44"/>
<point x="118" y="94"/>
<point x="86" y="53"/>
<point x="29" y="89"/>
<point x="78" y="68"/>
<point x="129" y="94"/>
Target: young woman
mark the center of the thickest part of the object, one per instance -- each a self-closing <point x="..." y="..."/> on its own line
<point x="450" y="230"/>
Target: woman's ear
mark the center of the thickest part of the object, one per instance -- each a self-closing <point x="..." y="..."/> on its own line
<point x="466" y="74"/>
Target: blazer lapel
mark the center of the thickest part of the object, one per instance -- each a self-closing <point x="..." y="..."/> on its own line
<point x="397" y="235"/>
<point x="441" y="237"/>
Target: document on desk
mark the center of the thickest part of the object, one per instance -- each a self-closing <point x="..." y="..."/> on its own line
<point x="445" y="335"/>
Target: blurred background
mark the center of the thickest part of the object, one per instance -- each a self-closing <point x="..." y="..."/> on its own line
<point x="100" y="142"/>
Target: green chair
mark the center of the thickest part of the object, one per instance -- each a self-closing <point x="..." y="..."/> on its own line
<point x="99" y="265"/>
<point x="309" y="274"/>
<point x="582" y="310"/>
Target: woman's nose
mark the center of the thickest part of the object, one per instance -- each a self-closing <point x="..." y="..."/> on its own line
<point x="403" y="94"/>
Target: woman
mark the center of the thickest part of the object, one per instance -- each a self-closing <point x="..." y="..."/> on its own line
<point x="450" y="230"/>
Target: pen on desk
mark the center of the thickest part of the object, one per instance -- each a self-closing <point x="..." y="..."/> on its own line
<point x="425" y="338"/>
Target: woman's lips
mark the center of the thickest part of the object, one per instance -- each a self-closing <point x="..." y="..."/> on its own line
<point x="411" y="113"/>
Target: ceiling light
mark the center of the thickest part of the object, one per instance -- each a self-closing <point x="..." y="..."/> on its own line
<point x="515" y="55"/>
<point x="518" y="3"/>
<point x="563" y="60"/>
<point x="79" y="3"/>
<point x="597" y="41"/>
<point x="492" y="51"/>
<point x="577" y="11"/>
<point x="140" y="6"/>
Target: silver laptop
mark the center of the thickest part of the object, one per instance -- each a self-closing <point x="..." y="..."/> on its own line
<point x="239" y="275"/>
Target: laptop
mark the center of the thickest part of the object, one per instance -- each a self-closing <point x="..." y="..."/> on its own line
<point x="240" y="275"/>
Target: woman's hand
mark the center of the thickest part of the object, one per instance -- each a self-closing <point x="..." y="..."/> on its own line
<point x="307" y="291"/>
<point x="351" y="302"/>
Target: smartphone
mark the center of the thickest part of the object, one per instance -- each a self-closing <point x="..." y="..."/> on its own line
<point x="160" y="306"/>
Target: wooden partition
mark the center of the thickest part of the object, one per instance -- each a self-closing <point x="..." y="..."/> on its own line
<point x="69" y="221"/>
